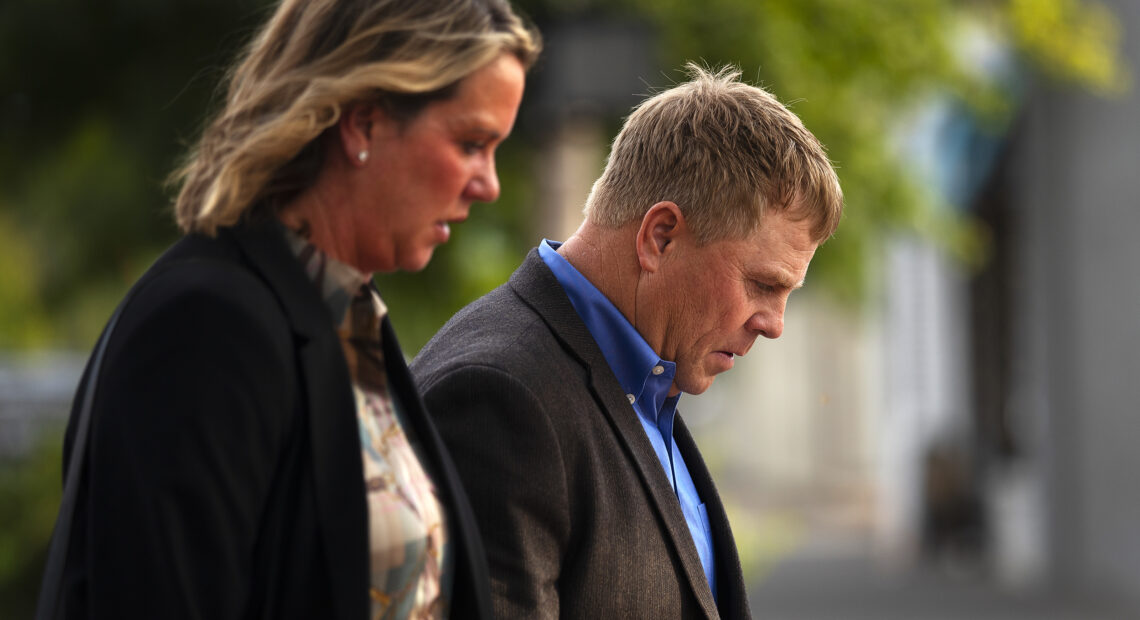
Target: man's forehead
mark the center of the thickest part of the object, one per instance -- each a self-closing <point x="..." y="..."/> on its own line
<point x="779" y="262"/>
<point x="776" y="273"/>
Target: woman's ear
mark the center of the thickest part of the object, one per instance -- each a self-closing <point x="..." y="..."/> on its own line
<point x="356" y="127"/>
<point x="662" y="225"/>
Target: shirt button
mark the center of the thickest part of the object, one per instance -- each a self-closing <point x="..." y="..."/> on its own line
<point x="658" y="370"/>
<point x="631" y="398"/>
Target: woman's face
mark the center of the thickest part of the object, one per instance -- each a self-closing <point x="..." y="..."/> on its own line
<point x="424" y="174"/>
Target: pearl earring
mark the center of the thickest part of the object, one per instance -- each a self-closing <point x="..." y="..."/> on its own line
<point x="362" y="156"/>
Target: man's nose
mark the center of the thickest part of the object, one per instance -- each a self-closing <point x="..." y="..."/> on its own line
<point x="768" y="321"/>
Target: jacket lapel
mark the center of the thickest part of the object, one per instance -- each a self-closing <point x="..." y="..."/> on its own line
<point x="334" y="435"/>
<point x="538" y="287"/>
<point x="471" y="589"/>
<point x="732" y="596"/>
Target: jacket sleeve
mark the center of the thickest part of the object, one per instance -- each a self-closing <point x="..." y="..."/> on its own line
<point x="509" y="459"/>
<point x="193" y="406"/>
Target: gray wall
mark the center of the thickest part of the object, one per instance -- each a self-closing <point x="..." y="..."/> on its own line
<point x="1075" y="388"/>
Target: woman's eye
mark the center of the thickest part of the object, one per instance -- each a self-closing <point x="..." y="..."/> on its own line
<point x="472" y="147"/>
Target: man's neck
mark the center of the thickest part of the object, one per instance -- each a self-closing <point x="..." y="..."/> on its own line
<point x="607" y="257"/>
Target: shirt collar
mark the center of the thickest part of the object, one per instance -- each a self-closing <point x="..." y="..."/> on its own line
<point x="640" y="371"/>
<point x="337" y="282"/>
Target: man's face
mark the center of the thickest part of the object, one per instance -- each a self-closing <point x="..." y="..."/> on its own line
<point x="715" y="300"/>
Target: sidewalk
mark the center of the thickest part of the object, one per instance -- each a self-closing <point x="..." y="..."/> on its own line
<point x="838" y="580"/>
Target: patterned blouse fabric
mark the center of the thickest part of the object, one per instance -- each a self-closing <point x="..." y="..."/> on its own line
<point x="410" y="568"/>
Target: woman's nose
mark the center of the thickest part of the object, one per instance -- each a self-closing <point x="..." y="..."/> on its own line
<point x="484" y="186"/>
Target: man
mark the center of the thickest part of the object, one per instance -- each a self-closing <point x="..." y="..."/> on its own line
<point x="557" y="392"/>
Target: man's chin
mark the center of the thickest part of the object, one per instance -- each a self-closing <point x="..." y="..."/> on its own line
<point x="698" y="387"/>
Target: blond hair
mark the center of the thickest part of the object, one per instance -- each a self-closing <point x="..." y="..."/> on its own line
<point x="724" y="152"/>
<point x="311" y="59"/>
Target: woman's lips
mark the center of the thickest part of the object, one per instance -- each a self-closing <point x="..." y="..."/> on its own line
<point x="443" y="231"/>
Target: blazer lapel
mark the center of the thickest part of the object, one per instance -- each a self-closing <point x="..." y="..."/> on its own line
<point x="732" y="595"/>
<point x="538" y="287"/>
<point x="471" y="593"/>
<point x="334" y="434"/>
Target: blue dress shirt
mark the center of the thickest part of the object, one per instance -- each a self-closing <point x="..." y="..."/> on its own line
<point x="646" y="379"/>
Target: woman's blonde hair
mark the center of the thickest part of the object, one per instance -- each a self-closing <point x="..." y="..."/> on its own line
<point x="724" y="152"/>
<point x="311" y="59"/>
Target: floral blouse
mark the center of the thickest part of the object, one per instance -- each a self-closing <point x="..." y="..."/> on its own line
<point x="410" y="568"/>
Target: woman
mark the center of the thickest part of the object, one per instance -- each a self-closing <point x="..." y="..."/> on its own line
<point x="256" y="447"/>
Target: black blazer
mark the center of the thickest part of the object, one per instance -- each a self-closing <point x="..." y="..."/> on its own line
<point x="224" y="475"/>
<point x="578" y="517"/>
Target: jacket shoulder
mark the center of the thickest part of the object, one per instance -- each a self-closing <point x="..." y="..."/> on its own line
<point x="498" y="330"/>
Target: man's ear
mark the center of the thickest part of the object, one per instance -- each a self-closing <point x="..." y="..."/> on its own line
<point x="357" y="129"/>
<point x="662" y="225"/>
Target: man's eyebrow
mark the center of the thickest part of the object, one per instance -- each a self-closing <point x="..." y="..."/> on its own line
<point x="781" y="278"/>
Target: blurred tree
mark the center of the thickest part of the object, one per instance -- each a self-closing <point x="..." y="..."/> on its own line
<point x="97" y="106"/>
<point x="29" y="501"/>
<point x="99" y="98"/>
<point x="22" y="320"/>
<point x="96" y="102"/>
<point x="1071" y="40"/>
<point x="851" y="70"/>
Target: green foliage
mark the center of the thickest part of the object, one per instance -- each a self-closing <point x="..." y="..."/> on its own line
<point x="22" y="319"/>
<point x="1073" y="41"/>
<point x="852" y="70"/>
<point x="94" y="101"/>
<point x="95" y="109"/>
<point x="98" y="100"/>
<point x="29" y="500"/>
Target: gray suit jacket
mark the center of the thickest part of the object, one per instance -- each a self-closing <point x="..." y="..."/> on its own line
<point x="577" y="515"/>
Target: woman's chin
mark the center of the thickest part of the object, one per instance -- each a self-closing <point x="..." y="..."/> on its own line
<point x="419" y="261"/>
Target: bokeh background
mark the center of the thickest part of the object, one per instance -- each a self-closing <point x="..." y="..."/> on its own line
<point x="947" y="429"/>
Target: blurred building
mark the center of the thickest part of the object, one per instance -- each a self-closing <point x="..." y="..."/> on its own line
<point x="35" y="396"/>
<point x="980" y="423"/>
<point x="984" y="421"/>
<point x="1056" y="346"/>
